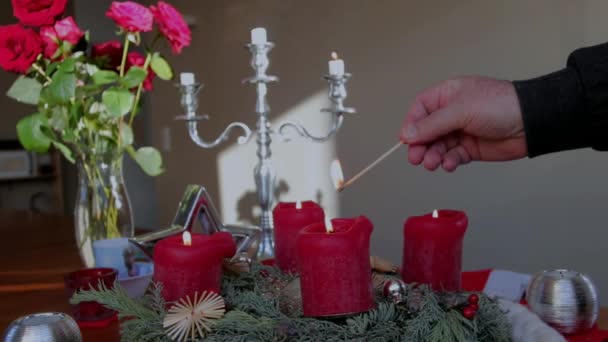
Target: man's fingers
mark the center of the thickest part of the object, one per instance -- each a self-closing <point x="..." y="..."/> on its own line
<point x="434" y="155"/>
<point x="416" y="154"/>
<point x="455" y="157"/>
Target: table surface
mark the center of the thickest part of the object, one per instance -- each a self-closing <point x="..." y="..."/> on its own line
<point x="35" y="251"/>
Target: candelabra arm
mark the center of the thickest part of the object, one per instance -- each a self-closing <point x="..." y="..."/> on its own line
<point x="194" y="135"/>
<point x="304" y="133"/>
<point x="337" y="94"/>
<point x="189" y="102"/>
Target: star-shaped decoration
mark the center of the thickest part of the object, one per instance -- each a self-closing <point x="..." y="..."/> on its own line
<point x="197" y="204"/>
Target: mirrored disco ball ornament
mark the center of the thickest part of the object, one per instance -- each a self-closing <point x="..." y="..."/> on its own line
<point x="395" y="290"/>
<point x="566" y="300"/>
<point x="43" y="327"/>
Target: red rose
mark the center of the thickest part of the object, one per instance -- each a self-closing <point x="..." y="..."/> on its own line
<point x="108" y="54"/>
<point x="131" y="16"/>
<point x="172" y="25"/>
<point x="38" y="12"/>
<point x="136" y="59"/>
<point x="19" y="48"/>
<point x="52" y="36"/>
<point x="68" y="31"/>
<point x="50" y="41"/>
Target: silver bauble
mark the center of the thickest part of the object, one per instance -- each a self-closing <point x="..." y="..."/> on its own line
<point x="395" y="290"/>
<point x="564" y="299"/>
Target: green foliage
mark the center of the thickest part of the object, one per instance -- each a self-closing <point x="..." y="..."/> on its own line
<point x="62" y="87"/>
<point x="31" y="136"/>
<point x="161" y="67"/>
<point x="149" y="159"/>
<point x="255" y="315"/>
<point x="102" y="77"/>
<point x="118" y="101"/>
<point x="134" y="77"/>
<point x="25" y="90"/>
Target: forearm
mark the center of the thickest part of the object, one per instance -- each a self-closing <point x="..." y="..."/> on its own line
<point x="567" y="109"/>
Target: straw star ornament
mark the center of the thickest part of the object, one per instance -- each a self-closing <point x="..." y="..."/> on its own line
<point x="194" y="318"/>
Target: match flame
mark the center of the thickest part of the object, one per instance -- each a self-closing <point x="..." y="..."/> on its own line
<point x="187" y="238"/>
<point x="329" y="227"/>
<point x="337" y="176"/>
<point x="435" y="214"/>
<point x="298" y="205"/>
<point x="334" y="55"/>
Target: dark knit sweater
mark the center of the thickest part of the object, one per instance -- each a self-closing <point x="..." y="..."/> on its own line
<point x="568" y="109"/>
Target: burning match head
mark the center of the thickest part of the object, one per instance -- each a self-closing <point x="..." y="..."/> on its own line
<point x="337" y="176"/>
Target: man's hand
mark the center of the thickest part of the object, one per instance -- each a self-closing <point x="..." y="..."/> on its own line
<point x="464" y="119"/>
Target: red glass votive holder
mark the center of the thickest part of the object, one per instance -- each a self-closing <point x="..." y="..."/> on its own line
<point x="87" y="279"/>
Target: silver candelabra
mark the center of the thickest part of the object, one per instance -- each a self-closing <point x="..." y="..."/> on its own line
<point x="264" y="172"/>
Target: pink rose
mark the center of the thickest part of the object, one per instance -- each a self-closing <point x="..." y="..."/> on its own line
<point x="50" y="41"/>
<point x="108" y="54"/>
<point x="52" y="36"/>
<point x="172" y="25"/>
<point x="68" y="31"/>
<point x="38" y="12"/>
<point x="136" y="59"/>
<point x="19" y="48"/>
<point x="131" y="16"/>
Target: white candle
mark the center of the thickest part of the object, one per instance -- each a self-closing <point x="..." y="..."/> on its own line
<point x="435" y="214"/>
<point x="336" y="66"/>
<point x="258" y="35"/>
<point x="186" y="78"/>
<point x="187" y="238"/>
<point x="298" y="205"/>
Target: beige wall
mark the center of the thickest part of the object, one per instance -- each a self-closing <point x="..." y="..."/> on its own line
<point x="525" y="216"/>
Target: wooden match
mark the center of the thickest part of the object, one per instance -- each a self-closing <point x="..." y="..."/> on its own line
<point x="370" y="166"/>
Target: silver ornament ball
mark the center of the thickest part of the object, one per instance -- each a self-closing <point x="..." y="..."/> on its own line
<point x="564" y="299"/>
<point x="395" y="290"/>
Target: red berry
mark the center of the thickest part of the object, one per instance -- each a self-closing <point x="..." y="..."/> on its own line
<point x="468" y="313"/>
<point x="473" y="299"/>
<point x="474" y="307"/>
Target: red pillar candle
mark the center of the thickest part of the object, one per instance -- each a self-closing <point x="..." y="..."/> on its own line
<point x="185" y="269"/>
<point x="432" y="249"/>
<point x="335" y="270"/>
<point x="289" y="219"/>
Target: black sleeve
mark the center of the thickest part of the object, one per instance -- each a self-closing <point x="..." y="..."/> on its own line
<point x="568" y="109"/>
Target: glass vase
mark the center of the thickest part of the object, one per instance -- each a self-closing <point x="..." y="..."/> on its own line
<point x="102" y="209"/>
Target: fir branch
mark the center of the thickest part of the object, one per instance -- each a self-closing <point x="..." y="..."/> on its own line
<point x="116" y="299"/>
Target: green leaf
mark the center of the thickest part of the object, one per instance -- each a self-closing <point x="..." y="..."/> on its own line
<point x="62" y="88"/>
<point x="134" y="77"/>
<point x="105" y="77"/>
<point x="29" y="131"/>
<point x="25" y="90"/>
<point x="161" y="67"/>
<point x="148" y="158"/>
<point x="118" y="101"/>
<point x="91" y="69"/>
<point x="126" y="134"/>
<point x="67" y="153"/>
<point x="68" y="65"/>
<point x="59" y="118"/>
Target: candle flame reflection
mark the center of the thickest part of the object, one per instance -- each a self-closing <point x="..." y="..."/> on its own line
<point x="337" y="176"/>
<point x="298" y="205"/>
<point x="435" y="214"/>
<point x="187" y="238"/>
<point x="329" y="227"/>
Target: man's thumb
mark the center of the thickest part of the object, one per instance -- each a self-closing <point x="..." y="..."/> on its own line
<point x="439" y="123"/>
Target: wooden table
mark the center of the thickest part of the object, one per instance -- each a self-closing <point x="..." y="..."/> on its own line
<point x="35" y="251"/>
